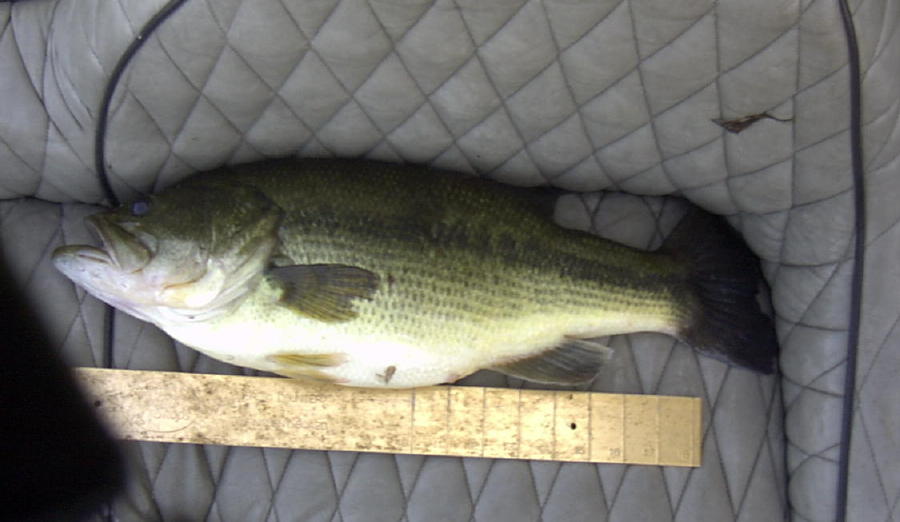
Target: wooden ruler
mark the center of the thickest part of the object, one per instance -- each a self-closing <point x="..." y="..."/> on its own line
<point x="465" y="421"/>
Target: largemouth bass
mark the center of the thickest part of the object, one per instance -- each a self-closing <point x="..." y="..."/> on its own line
<point x="372" y="274"/>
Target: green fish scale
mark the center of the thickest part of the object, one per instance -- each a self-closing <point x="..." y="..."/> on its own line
<point x="454" y="253"/>
<point x="464" y="289"/>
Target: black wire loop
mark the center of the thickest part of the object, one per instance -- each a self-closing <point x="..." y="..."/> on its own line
<point x="100" y="143"/>
<point x="859" y="251"/>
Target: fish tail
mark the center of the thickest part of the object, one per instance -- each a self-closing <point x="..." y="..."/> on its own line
<point x="724" y="319"/>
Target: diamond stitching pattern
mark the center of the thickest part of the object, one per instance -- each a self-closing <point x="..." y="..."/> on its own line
<point x="483" y="107"/>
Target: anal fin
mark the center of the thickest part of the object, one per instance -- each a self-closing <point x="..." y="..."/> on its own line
<point x="575" y="361"/>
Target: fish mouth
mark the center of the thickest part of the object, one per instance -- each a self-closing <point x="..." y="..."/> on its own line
<point x="83" y="252"/>
<point x="119" y="247"/>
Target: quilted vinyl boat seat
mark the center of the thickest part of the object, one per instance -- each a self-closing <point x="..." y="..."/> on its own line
<point x="743" y="108"/>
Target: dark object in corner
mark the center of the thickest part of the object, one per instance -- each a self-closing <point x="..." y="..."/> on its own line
<point x="56" y="460"/>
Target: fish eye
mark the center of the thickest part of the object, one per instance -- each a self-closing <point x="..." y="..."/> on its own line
<point x="140" y="207"/>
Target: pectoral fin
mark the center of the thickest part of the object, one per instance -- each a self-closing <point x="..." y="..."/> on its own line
<point x="324" y="292"/>
<point x="575" y="361"/>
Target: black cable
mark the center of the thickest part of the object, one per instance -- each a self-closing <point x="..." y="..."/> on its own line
<point x="859" y="244"/>
<point x="100" y="142"/>
<point x="100" y="162"/>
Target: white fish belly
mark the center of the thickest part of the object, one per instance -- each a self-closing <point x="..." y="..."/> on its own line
<point x="364" y="360"/>
<point x="376" y="359"/>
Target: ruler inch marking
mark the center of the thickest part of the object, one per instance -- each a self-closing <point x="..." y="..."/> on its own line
<point x="483" y="415"/>
<point x="608" y="428"/>
<point x="572" y="426"/>
<point x="553" y="451"/>
<point x="537" y="423"/>
<point x="430" y="428"/>
<point x="412" y="420"/>
<point x="501" y="423"/>
<point x="641" y="431"/>
<point x="659" y="406"/>
<point x="519" y="425"/>
<point x="447" y="428"/>
<point x="590" y="426"/>
<point x="679" y="415"/>
<point x="440" y="420"/>
<point x="696" y="445"/>
<point x="464" y="438"/>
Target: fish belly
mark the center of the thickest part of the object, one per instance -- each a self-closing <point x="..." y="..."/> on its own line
<point x="371" y="360"/>
<point x="382" y="349"/>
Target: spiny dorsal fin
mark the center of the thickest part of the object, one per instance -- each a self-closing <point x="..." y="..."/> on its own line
<point x="575" y="361"/>
<point x="324" y="292"/>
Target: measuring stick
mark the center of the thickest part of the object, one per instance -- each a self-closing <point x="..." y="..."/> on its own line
<point x="463" y="421"/>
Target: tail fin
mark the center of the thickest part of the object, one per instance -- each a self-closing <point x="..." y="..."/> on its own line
<point x="725" y="320"/>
